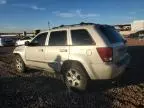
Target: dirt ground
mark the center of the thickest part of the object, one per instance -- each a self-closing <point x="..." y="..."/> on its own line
<point x="37" y="89"/>
<point x="135" y="42"/>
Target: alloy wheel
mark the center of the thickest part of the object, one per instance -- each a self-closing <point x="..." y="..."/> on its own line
<point x="19" y="64"/>
<point x="73" y="78"/>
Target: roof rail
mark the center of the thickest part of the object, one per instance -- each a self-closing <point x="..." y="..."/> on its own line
<point x="82" y="23"/>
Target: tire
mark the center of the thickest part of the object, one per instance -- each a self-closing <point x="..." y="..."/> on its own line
<point x="75" y="76"/>
<point x="19" y="64"/>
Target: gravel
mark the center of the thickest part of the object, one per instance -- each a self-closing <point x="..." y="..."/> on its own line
<point x="38" y="89"/>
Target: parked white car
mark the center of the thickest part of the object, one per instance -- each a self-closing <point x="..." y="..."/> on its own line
<point x="80" y="53"/>
<point x="23" y="40"/>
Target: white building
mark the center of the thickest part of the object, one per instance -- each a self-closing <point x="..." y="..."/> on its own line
<point x="137" y="25"/>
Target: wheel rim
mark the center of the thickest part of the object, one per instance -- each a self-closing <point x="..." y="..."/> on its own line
<point x="19" y="64"/>
<point x="73" y="78"/>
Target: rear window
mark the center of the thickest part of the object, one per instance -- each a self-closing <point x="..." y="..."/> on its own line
<point x="112" y="35"/>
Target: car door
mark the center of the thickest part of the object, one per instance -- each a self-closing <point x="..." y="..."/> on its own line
<point x="35" y="51"/>
<point x="57" y="50"/>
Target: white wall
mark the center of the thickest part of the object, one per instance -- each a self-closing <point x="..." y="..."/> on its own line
<point x="137" y="25"/>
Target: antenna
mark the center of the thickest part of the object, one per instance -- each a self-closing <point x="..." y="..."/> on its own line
<point x="48" y="25"/>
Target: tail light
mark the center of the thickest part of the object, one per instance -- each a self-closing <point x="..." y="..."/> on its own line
<point x="106" y="53"/>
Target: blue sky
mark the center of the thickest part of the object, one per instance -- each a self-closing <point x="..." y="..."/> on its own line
<point x="19" y="15"/>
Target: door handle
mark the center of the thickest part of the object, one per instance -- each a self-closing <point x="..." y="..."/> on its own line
<point x="40" y="50"/>
<point x="63" y="50"/>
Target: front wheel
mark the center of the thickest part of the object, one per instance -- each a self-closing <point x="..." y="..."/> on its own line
<point x="19" y="64"/>
<point x="75" y="77"/>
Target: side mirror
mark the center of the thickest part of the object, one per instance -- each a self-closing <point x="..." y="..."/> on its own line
<point x="27" y="43"/>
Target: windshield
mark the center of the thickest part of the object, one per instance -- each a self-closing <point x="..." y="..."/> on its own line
<point x="111" y="34"/>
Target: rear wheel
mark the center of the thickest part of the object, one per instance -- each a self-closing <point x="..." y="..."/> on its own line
<point x="75" y="76"/>
<point x="19" y="64"/>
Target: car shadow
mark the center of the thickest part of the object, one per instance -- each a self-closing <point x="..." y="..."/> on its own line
<point x="43" y="92"/>
<point x="135" y="73"/>
<point x="41" y="84"/>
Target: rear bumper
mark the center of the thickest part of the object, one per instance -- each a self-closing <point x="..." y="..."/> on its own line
<point x="121" y="66"/>
<point x="111" y="70"/>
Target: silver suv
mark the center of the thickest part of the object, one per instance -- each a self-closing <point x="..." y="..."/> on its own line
<point x="79" y="52"/>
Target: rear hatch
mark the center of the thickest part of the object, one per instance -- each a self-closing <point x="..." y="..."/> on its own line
<point x="117" y="43"/>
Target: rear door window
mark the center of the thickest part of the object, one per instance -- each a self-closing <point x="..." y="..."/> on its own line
<point x="111" y="34"/>
<point x="58" y="38"/>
